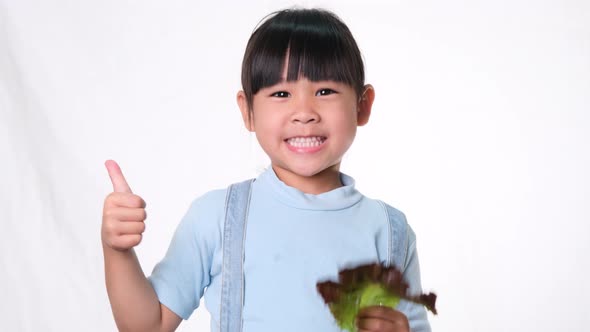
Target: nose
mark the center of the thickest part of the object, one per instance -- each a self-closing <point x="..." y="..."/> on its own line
<point x="305" y="111"/>
<point x="305" y="117"/>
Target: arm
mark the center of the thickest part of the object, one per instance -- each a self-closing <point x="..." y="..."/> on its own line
<point x="403" y="254"/>
<point x="133" y="301"/>
<point x="416" y="313"/>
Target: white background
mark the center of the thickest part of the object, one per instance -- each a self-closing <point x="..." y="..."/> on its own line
<point x="480" y="134"/>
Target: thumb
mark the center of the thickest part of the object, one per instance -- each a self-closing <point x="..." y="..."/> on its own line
<point x="117" y="178"/>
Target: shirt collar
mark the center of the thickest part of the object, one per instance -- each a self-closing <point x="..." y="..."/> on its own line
<point x="336" y="199"/>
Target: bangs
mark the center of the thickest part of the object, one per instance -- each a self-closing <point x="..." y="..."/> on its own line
<point x="314" y="43"/>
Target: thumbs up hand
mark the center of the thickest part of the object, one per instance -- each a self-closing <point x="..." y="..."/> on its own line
<point x="123" y="213"/>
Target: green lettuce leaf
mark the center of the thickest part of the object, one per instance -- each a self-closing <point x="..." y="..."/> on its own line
<point x="364" y="286"/>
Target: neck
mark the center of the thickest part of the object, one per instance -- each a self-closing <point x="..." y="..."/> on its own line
<point x="326" y="180"/>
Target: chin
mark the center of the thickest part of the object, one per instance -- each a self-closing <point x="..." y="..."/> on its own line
<point x="307" y="171"/>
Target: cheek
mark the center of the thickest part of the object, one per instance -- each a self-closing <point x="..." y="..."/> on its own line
<point x="345" y="129"/>
<point x="267" y="128"/>
<point x="346" y="119"/>
<point x="349" y="127"/>
<point x="265" y="123"/>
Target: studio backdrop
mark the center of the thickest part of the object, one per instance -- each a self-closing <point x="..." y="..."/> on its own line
<point x="480" y="133"/>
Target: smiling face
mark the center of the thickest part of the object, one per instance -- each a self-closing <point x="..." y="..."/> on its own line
<point x="306" y="127"/>
<point x="302" y="76"/>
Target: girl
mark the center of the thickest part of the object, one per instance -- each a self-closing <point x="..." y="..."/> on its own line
<point x="304" y="97"/>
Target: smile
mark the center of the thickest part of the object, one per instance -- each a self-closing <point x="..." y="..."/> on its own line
<point x="306" y="142"/>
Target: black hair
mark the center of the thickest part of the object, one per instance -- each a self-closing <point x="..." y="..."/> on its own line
<point x="319" y="46"/>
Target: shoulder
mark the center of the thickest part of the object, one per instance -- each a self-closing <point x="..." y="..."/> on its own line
<point x="396" y="216"/>
<point x="213" y="199"/>
<point x="401" y="238"/>
<point x="399" y="222"/>
<point x="211" y="205"/>
<point x="205" y="213"/>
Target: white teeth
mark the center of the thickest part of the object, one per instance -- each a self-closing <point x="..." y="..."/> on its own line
<point x="306" y="142"/>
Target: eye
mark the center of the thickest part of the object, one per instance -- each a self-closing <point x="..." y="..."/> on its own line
<point x="325" y="92"/>
<point x="280" y="94"/>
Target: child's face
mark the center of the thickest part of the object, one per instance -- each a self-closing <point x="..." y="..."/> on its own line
<point x="306" y="127"/>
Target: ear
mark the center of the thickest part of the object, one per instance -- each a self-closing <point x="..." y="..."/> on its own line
<point x="365" y="104"/>
<point x="245" y="110"/>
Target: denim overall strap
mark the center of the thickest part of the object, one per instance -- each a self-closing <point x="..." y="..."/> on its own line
<point x="398" y="237"/>
<point x="232" y="278"/>
<point x="402" y="254"/>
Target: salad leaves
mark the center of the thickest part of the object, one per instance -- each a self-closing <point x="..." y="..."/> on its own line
<point x="364" y="286"/>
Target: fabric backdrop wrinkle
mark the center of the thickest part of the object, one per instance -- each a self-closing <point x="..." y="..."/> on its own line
<point x="42" y="247"/>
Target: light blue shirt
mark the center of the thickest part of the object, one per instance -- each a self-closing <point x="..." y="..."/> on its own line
<point x="293" y="240"/>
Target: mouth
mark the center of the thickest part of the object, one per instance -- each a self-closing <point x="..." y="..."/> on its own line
<point x="306" y="142"/>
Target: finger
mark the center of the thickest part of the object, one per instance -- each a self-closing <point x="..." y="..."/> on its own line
<point x="114" y="229"/>
<point x="382" y="318"/>
<point x="382" y="312"/>
<point x="127" y="241"/>
<point x="131" y="227"/>
<point x="126" y="214"/>
<point x="374" y="324"/>
<point x="126" y="200"/>
<point x="117" y="178"/>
